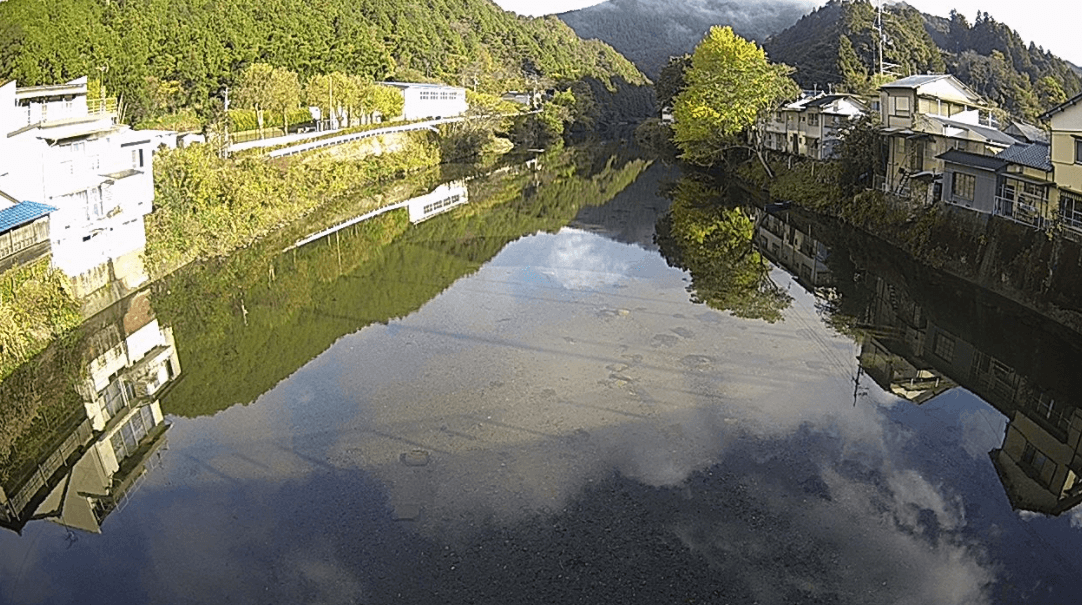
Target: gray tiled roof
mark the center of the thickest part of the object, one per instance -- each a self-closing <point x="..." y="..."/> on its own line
<point x="1033" y="155"/>
<point x="976" y="160"/>
<point x="21" y="214"/>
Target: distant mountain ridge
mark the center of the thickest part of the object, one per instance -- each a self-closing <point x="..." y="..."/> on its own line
<point x="648" y="32"/>
<point x="836" y="45"/>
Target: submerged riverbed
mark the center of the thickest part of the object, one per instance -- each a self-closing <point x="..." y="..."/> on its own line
<point x="519" y="400"/>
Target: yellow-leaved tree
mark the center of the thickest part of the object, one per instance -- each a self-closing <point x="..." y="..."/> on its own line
<point x="729" y="84"/>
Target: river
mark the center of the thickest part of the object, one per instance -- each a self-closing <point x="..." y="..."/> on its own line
<point x="589" y="378"/>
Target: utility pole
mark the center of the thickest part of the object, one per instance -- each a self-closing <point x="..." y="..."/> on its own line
<point x="225" y="126"/>
<point x="879" y="29"/>
<point x="884" y="67"/>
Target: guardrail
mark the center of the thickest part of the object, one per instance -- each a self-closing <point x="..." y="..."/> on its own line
<point x="348" y="138"/>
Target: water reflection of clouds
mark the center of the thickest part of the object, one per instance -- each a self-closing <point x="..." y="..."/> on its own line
<point x="521" y="416"/>
<point x="573" y="259"/>
<point x="658" y="396"/>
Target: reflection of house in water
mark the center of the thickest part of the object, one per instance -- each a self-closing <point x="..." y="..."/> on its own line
<point x="440" y="199"/>
<point x="917" y="356"/>
<point x="82" y="468"/>
<point x="893" y="352"/>
<point x="788" y="241"/>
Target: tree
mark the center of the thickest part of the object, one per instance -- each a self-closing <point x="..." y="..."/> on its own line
<point x="1050" y="92"/>
<point x="285" y="94"/>
<point x="334" y="94"/>
<point x="387" y="101"/>
<point x="713" y="241"/>
<point x="670" y="82"/>
<point x="854" y="75"/>
<point x="263" y="87"/>
<point x="861" y="155"/>
<point x="252" y="90"/>
<point x="729" y="85"/>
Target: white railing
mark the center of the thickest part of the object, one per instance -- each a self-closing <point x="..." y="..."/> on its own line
<point x="46" y="112"/>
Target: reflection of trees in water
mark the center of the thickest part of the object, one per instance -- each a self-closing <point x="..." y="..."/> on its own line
<point x="713" y="241"/>
<point x="246" y="322"/>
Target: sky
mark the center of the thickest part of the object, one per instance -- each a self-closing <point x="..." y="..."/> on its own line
<point x="1049" y="23"/>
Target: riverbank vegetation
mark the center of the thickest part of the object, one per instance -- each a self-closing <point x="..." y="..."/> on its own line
<point x="207" y="206"/>
<point x="36" y="306"/>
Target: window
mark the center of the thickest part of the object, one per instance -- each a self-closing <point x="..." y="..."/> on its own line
<point x="94" y="209"/>
<point x="1070" y="209"/>
<point x="944" y="347"/>
<point x="963" y="185"/>
<point x="1078" y="151"/>
<point x="813" y="119"/>
<point x="901" y="106"/>
<point x="1036" y="461"/>
<point x="1035" y="191"/>
<point x="136" y="158"/>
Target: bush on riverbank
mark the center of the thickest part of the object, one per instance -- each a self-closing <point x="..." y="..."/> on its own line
<point x="815" y="185"/>
<point x="206" y="206"/>
<point x="36" y="306"/>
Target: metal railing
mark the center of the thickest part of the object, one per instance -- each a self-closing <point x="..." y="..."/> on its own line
<point x="39" y="477"/>
<point x="1019" y="212"/>
<point x="1070" y="217"/>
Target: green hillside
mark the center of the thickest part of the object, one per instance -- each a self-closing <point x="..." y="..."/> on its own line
<point x="162" y="55"/>
<point x="836" y="46"/>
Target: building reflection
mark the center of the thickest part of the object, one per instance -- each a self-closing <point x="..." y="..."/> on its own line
<point x="922" y="334"/>
<point x="788" y="240"/>
<point x="79" y="459"/>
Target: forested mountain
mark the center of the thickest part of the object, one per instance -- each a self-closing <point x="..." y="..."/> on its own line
<point x="165" y="54"/>
<point x="650" y="31"/>
<point x="836" y="46"/>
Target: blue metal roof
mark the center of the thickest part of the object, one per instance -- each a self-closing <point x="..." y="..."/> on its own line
<point x="22" y="213"/>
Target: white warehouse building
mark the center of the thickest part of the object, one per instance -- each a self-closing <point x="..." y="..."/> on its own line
<point x="431" y="100"/>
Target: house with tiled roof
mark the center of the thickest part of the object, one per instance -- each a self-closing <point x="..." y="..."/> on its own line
<point x="1016" y="183"/>
<point x="24" y="231"/>
<point x="970" y="179"/>
<point x="923" y="117"/>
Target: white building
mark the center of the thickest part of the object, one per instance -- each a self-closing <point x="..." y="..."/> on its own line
<point x="811" y="126"/>
<point x="431" y="100"/>
<point x="59" y="148"/>
<point x="439" y="200"/>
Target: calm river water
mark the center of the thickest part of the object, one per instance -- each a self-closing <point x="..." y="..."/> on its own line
<point x="591" y="379"/>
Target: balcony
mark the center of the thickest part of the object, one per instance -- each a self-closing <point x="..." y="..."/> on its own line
<point x="36" y="113"/>
<point x="1019" y="211"/>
